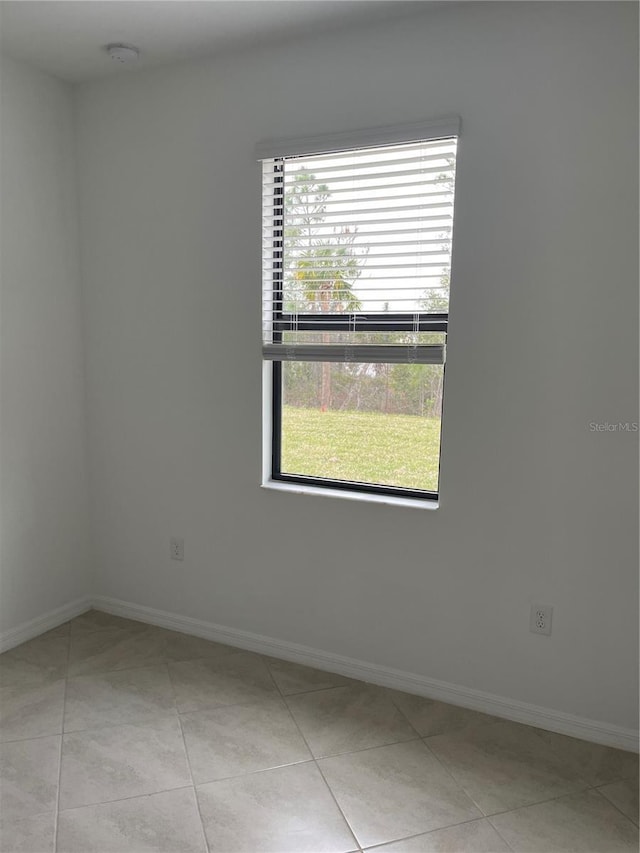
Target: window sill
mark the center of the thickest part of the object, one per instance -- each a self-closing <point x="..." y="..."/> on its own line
<point x="366" y="497"/>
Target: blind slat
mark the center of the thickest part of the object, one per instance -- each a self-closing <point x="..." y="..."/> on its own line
<point x="442" y="217"/>
<point x="397" y="185"/>
<point x="334" y="163"/>
<point x="420" y="199"/>
<point x="357" y="353"/>
<point x="430" y="229"/>
<point x="400" y="264"/>
<point x="428" y="175"/>
<point x="295" y="219"/>
<point x="393" y="244"/>
<point x="369" y="178"/>
<point x="392" y="278"/>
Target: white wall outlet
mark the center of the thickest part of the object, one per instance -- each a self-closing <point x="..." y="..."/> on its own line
<point x="540" y="620"/>
<point x="176" y="548"/>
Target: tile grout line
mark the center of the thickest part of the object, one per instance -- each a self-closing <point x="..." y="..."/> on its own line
<point x="596" y="790"/>
<point x="552" y="800"/>
<point x="495" y="829"/>
<point x="438" y="734"/>
<point x="125" y="799"/>
<point x="186" y="752"/>
<point x="498" y="833"/>
<point x="162" y="662"/>
<point x="128" y="634"/>
<point x="483" y="816"/>
<point x="64" y="711"/>
<point x="137" y="721"/>
<point x="388" y="694"/>
<point x="313" y="758"/>
<point x="253" y="772"/>
<point x="542" y="802"/>
<point x="384" y="844"/>
<point x="450" y="774"/>
<point x="36" y="737"/>
<point x="611" y="803"/>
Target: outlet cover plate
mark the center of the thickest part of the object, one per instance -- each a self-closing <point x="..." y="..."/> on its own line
<point x="540" y="619"/>
<point x="176" y="548"/>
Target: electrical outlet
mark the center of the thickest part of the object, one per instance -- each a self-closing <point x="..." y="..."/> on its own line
<point x="540" y="620"/>
<point x="176" y="548"/>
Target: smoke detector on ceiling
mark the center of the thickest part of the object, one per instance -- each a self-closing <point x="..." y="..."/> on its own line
<point x="124" y="53"/>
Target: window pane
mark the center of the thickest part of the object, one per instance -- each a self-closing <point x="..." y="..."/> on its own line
<point x="366" y="423"/>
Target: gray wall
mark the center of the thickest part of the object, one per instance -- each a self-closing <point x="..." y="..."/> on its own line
<point x="535" y="506"/>
<point x="44" y="552"/>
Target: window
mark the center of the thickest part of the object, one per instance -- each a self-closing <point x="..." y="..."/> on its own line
<point x="357" y="233"/>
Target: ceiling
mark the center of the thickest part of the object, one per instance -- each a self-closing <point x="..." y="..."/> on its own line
<point x="66" y="37"/>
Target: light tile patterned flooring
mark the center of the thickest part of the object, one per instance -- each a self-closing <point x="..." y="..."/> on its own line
<point x="118" y="736"/>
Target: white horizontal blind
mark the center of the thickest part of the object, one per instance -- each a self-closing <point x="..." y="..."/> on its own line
<point x="357" y="251"/>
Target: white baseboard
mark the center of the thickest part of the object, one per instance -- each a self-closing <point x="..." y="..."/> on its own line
<point x="35" y="627"/>
<point x="488" y="703"/>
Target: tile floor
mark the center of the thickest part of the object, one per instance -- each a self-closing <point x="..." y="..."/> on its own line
<point x="117" y="736"/>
